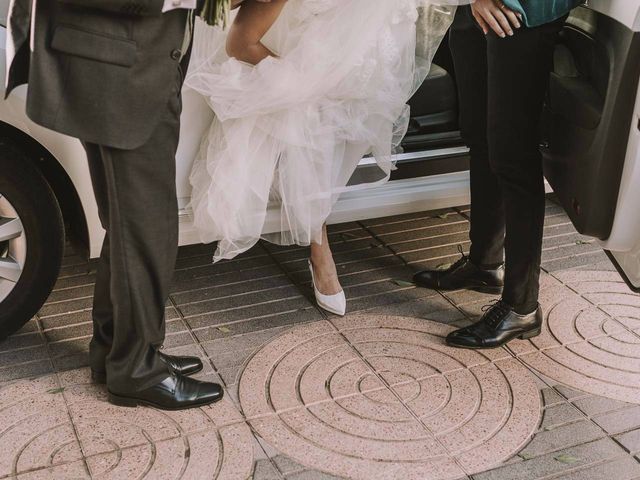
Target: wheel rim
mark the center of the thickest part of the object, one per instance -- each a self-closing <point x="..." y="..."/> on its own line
<point x="13" y="248"/>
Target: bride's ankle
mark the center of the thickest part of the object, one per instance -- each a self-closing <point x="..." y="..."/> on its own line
<point x="322" y="259"/>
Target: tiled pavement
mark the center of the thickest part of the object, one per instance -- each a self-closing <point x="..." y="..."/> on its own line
<point x="378" y="383"/>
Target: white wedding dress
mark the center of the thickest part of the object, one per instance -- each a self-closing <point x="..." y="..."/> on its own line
<point x="289" y="133"/>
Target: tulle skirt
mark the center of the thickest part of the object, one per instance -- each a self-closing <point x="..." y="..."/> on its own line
<point x="289" y="133"/>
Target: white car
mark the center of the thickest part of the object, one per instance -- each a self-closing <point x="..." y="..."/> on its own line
<point x="592" y="150"/>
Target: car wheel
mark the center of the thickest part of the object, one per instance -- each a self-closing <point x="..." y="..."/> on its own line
<point x="31" y="239"/>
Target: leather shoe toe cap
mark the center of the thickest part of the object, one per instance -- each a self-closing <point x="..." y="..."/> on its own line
<point x="428" y="279"/>
<point x="462" y="338"/>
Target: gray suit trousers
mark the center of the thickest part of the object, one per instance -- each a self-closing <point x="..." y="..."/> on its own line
<point x="136" y="195"/>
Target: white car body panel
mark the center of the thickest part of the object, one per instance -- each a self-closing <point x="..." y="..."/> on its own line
<point x="626" y="12"/>
<point x="624" y="242"/>
<point x="402" y="196"/>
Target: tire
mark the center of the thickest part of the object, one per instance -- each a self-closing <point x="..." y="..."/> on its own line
<point x="24" y="191"/>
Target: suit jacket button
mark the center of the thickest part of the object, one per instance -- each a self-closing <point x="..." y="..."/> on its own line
<point x="176" y="54"/>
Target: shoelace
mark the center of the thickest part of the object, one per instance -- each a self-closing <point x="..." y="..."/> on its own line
<point x="495" y="312"/>
<point x="462" y="260"/>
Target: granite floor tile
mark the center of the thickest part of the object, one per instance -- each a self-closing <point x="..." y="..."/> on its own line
<point x="377" y="395"/>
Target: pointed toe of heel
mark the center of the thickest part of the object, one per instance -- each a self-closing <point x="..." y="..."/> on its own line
<point x="336" y="304"/>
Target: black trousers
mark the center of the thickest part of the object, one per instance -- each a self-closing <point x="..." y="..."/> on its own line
<point x="502" y="85"/>
<point x="136" y="195"/>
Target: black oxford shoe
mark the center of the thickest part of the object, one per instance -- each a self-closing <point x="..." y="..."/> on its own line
<point x="499" y="325"/>
<point x="176" y="392"/>
<point x="462" y="275"/>
<point x="180" y="365"/>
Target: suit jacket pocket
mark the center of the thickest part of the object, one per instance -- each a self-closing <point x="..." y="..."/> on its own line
<point x="94" y="46"/>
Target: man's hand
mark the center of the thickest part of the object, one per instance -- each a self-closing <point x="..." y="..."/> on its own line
<point x="495" y="15"/>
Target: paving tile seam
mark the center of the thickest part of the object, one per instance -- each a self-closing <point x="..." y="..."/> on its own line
<point x="241" y="307"/>
<point x="52" y="301"/>
<point x="384" y="382"/>
<point x="345" y="454"/>
<point x="340" y="264"/>
<point x="569" y="245"/>
<point x="574" y="255"/>
<point x="386" y="292"/>
<point x="600" y="305"/>
<point x="182" y="270"/>
<point x="337" y="253"/>
<point x="234" y="296"/>
<point x="248" y="319"/>
<point x="11" y="366"/>
<point x="70" y="312"/>
<point x="426" y="249"/>
<point x="332" y="241"/>
<point x="364" y="284"/>
<point x="213" y="275"/>
<point x="421" y="239"/>
<point x="421" y="229"/>
<point x="591" y="417"/>
<point x="209" y="256"/>
<point x="350" y="274"/>
<point x="302" y="291"/>
<point x="132" y="447"/>
<point x="72" y="287"/>
<point x="59" y="385"/>
<point x="441" y="351"/>
<point x="68" y="340"/>
<point x="566" y="234"/>
<point x="570" y="368"/>
<point x="248" y="255"/>
<point x="587" y="466"/>
<point x="621" y="445"/>
<point x="195" y="340"/>
<point x="223" y="285"/>
<point x="421" y="261"/>
<point x="406" y="220"/>
<point x="21" y="349"/>
<point x="66" y="276"/>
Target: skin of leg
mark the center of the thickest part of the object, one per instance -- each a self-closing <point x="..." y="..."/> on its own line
<point x="244" y="43"/>
<point x="254" y="19"/>
<point x="324" y="268"/>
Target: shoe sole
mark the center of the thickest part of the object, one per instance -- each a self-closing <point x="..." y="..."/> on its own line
<point x="476" y="288"/>
<point x="130" y="402"/>
<point x="523" y="336"/>
<point x="487" y="289"/>
<point x="101" y="378"/>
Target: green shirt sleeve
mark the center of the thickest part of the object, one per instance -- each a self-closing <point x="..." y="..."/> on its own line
<point x="539" y="12"/>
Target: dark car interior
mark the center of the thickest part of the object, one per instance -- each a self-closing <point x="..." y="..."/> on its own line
<point x="585" y="127"/>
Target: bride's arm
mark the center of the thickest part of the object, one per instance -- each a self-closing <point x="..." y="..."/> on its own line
<point x="253" y="21"/>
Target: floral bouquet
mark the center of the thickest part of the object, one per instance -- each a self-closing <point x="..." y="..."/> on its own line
<point x="215" y="12"/>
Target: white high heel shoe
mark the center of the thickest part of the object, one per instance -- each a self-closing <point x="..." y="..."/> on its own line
<point x="336" y="304"/>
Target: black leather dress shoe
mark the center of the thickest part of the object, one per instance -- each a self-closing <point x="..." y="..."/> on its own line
<point x="176" y="392"/>
<point x="499" y="325"/>
<point x="181" y="365"/>
<point x="462" y="275"/>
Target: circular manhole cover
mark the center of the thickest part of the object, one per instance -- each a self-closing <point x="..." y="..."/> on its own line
<point x="383" y="397"/>
<point x="590" y="342"/>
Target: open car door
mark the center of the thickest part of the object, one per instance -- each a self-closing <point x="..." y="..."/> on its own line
<point x="592" y="128"/>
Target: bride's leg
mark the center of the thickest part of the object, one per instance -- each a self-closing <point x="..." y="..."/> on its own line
<point x="253" y="21"/>
<point x="324" y="268"/>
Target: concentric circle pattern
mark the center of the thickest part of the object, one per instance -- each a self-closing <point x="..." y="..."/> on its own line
<point x="69" y="430"/>
<point x="591" y="340"/>
<point x="383" y="397"/>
